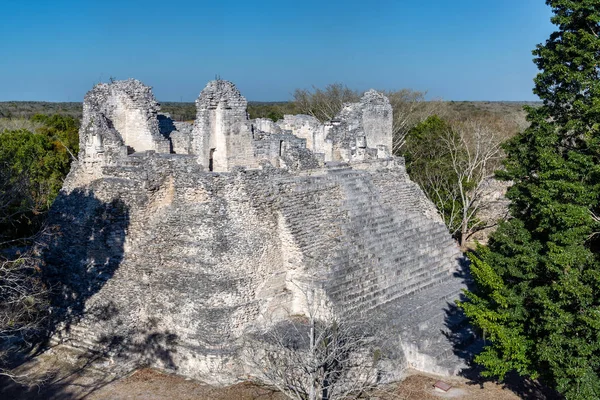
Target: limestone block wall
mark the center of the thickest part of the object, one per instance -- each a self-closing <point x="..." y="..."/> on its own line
<point x="222" y="132"/>
<point x="171" y="265"/>
<point x="377" y="119"/>
<point x="100" y="145"/>
<point x="178" y="133"/>
<point x="360" y="131"/>
<point x="266" y="125"/>
<point x="371" y="119"/>
<point x="181" y="142"/>
<point x="181" y="138"/>
<point x="222" y="137"/>
<point x="171" y="259"/>
<point x="309" y="128"/>
<point x="131" y="123"/>
<point x="284" y="151"/>
<point x="132" y="110"/>
<point x="190" y="257"/>
<point x="373" y="252"/>
<point x="406" y="197"/>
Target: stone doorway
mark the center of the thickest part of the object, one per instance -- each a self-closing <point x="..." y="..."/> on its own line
<point x="210" y="160"/>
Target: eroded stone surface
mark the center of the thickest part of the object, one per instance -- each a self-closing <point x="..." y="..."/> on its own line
<point x="360" y="131"/>
<point x="171" y="258"/>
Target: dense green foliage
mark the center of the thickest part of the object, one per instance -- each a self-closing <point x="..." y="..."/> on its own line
<point x="538" y="285"/>
<point x="256" y="109"/>
<point x="61" y="130"/>
<point x="179" y="111"/>
<point x="32" y="169"/>
<point x="186" y="111"/>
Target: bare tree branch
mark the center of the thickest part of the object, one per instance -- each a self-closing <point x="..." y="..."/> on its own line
<point x="410" y="108"/>
<point x="319" y="354"/>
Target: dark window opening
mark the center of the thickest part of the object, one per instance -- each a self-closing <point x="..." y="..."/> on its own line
<point x="280" y="148"/>
<point x="210" y="160"/>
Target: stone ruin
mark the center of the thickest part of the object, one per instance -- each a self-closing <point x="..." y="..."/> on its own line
<point x="122" y="118"/>
<point x="177" y="239"/>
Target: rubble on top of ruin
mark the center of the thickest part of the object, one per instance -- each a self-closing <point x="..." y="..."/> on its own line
<point x="222" y="136"/>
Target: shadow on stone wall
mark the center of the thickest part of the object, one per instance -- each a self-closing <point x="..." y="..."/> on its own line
<point x="83" y="250"/>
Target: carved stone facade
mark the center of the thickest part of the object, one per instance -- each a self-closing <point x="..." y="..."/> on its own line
<point x="190" y="241"/>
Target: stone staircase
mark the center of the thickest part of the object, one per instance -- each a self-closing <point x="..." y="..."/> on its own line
<point x="393" y="260"/>
<point x="376" y="240"/>
<point x="203" y="251"/>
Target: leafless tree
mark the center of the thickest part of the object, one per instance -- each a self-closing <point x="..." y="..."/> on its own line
<point x="320" y="354"/>
<point x="17" y="124"/>
<point x="410" y="108"/>
<point x="324" y="104"/>
<point x="23" y="295"/>
<point x="23" y="306"/>
<point x="475" y="153"/>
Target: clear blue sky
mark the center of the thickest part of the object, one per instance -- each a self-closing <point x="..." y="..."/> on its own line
<point x="456" y="50"/>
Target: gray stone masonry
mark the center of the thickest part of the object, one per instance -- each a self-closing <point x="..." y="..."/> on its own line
<point x="368" y="122"/>
<point x="161" y="261"/>
<point x="360" y="131"/>
<point x="222" y="132"/>
<point x="310" y="129"/>
<point x="222" y="137"/>
<point x="132" y="110"/>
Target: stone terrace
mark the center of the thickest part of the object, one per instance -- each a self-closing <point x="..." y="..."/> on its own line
<point x="170" y="256"/>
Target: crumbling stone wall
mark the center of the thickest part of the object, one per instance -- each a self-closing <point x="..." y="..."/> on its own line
<point x="132" y="109"/>
<point x="360" y="131"/>
<point x="160" y="260"/>
<point x="309" y="128"/>
<point x="222" y="132"/>
<point x="366" y="124"/>
<point x="284" y="151"/>
<point x="179" y="134"/>
<point x="266" y="125"/>
<point x="99" y="145"/>
<point x="222" y="136"/>
<point x="206" y="256"/>
<point x="377" y="119"/>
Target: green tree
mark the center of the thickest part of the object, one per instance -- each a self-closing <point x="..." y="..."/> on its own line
<point x="537" y="296"/>
<point x="62" y="130"/>
<point x="272" y="111"/>
<point x="32" y="169"/>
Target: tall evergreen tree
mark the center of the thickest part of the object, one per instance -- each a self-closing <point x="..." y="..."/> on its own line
<point x="537" y="296"/>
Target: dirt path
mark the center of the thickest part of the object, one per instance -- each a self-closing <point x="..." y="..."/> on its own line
<point x="152" y="385"/>
<point x="69" y="377"/>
